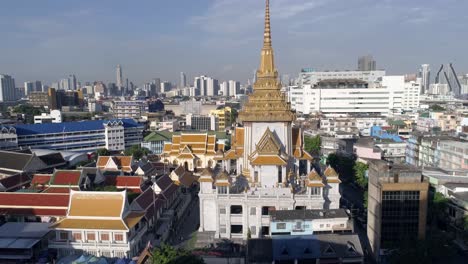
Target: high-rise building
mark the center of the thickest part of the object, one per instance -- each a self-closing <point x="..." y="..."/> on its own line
<point x="72" y="82"/>
<point x="165" y="87"/>
<point x="397" y="205"/>
<point x="200" y="84"/>
<point x="183" y="80"/>
<point x="224" y="88"/>
<point x="119" y="79"/>
<point x="156" y="82"/>
<point x="35" y="86"/>
<point x="447" y="75"/>
<point x="234" y="88"/>
<point x="212" y="87"/>
<point x="7" y="88"/>
<point x="366" y="63"/>
<point x="425" y="75"/>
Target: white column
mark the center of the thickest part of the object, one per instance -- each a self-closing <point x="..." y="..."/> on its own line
<point x="201" y="216"/>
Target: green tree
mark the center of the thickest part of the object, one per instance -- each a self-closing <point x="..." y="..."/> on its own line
<point x="465" y="222"/>
<point x="360" y="170"/>
<point x="365" y="198"/>
<point x="169" y="255"/>
<point x="103" y="152"/>
<point x="312" y="144"/>
<point x="332" y="160"/>
<point x="438" y="206"/>
<point x="434" y="249"/>
<point x="107" y="188"/>
<point x="29" y="111"/>
<point x="437" y="108"/>
<point x="137" y="152"/>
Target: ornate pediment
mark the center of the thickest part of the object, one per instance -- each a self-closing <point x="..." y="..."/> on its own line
<point x="268" y="144"/>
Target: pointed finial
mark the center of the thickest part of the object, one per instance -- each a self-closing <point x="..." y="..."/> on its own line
<point x="267" y="33"/>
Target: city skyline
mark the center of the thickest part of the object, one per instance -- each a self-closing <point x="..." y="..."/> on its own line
<point x="161" y="39"/>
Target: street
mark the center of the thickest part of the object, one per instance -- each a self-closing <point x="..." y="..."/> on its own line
<point x="186" y="229"/>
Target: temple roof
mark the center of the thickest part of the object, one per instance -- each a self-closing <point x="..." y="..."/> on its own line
<point x="267" y="103"/>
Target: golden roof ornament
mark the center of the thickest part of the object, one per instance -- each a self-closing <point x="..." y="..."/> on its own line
<point x="267" y="103"/>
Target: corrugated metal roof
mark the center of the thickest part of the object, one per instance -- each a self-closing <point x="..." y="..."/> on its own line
<point x="70" y="126"/>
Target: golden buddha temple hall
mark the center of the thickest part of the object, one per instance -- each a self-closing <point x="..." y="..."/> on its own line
<point x="266" y="167"/>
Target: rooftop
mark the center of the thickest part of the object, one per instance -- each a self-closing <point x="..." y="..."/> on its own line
<point x="285" y="215"/>
<point x="50" y="128"/>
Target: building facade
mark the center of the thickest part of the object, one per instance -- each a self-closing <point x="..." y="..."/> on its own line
<point x="129" y="109"/>
<point x="81" y="136"/>
<point x="397" y="205"/>
<point x="7" y="88"/>
<point x="261" y="172"/>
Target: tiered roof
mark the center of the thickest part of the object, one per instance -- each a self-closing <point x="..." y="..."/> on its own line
<point x="314" y="179"/>
<point x="182" y="176"/>
<point x="99" y="211"/>
<point x="131" y="183"/>
<point x="331" y="175"/>
<point x="268" y="151"/>
<point x="298" y="145"/>
<point x="189" y="145"/>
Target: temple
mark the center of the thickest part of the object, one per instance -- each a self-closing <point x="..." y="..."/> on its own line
<point x="266" y="167"/>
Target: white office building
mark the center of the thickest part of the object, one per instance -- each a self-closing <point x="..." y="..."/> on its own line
<point x="129" y="109"/>
<point x="234" y="88"/>
<point x="55" y="116"/>
<point x="352" y="92"/>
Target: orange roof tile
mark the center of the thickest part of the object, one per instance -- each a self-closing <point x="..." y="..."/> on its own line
<point x="186" y="156"/>
<point x="314" y="176"/>
<point x="310" y="184"/>
<point x="102" y="161"/>
<point x="133" y="218"/>
<point x="66" y="177"/>
<point x="193" y="138"/>
<point x="100" y="204"/>
<point x="231" y="154"/>
<point x="268" y="160"/>
<point x="167" y="147"/>
<point x="239" y="133"/>
<point x="330" y="172"/>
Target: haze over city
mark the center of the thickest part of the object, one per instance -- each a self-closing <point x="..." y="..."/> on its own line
<point x="50" y="39"/>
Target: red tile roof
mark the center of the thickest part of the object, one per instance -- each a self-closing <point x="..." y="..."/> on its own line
<point x="33" y="212"/>
<point x="42" y="179"/>
<point x="66" y="178"/>
<point x="125" y="182"/>
<point x="8" y="200"/>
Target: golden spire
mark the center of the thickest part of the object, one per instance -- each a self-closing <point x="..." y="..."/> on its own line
<point x="267" y="34"/>
<point x="267" y="103"/>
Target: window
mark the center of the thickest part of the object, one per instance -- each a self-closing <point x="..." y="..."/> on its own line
<point x="104" y="236"/>
<point x="280" y="174"/>
<point x="298" y="226"/>
<point x="118" y="237"/>
<point x="90" y="236"/>
<point x="236" y="229"/>
<point x="76" y="236"/>
<point x="256" y="176"/>
<point x="253" y="210"/>
<point x="63" y="235"/>
<point x="266" y="210"/>
<point x="316" y="191"/>
<point x="222" y="189"/>
<point x="281" y="226"/>
<point x="236" y="209"/>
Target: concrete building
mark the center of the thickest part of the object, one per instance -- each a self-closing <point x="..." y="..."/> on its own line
<point x="166" y="87"/>
<point x="100" y="224"/>
<point x="309" y="222"/>
<point x="212" y="87"/>
<point x="81" y="136"/>
<point x="35" y="86"/>
<point x="119" y="80"/>
<point x="202" y="122"/>
<point x="129" y="109"/>
<point x="44" y="99"/>
<point x="366" y="63"/>
<point x="7" y="88"/>
<point x="165" y="125"/>
<point x="234" y="88"/>
<point x="183" y="80"/>
<point x="425" y="75"/>
<point x="397" y="205"/>
<point x="224" y="117"/>
<point x="8" y="137"/>
<point x="351" y="92"/>
<point x="224" y="88"/>
<point x="55" y="116"/>
<point x="155" y="142"/>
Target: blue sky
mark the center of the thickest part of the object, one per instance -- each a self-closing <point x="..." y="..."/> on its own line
<point x="50" y="39"/>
